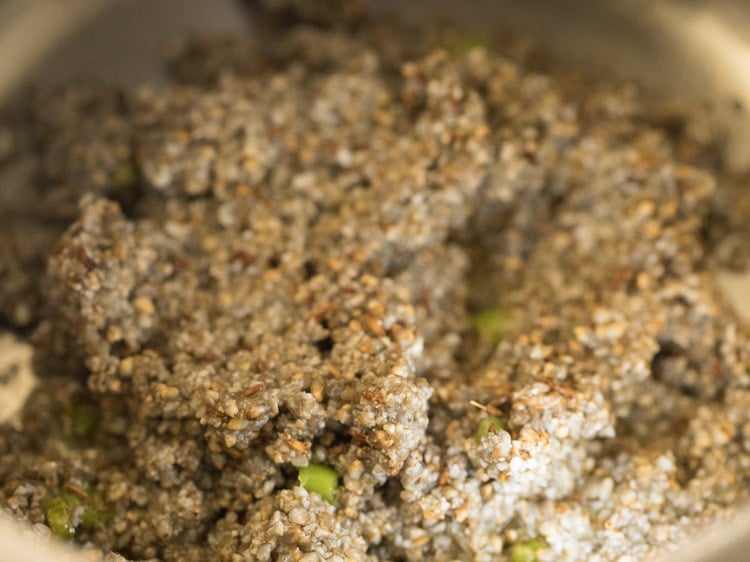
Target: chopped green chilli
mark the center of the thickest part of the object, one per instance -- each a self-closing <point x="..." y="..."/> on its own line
<point x="83" y="420"/>
<point x="490" y="324"/>
<point x="320" y="479"/>
<point x="60" y="515"/>
<point x="466" y="43"/>
<point x="66" y="511"/>
<point x="527" y="550"/>
<point x="486" y="425"/>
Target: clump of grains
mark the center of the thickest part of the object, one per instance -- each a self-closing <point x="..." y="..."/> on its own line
<point x="471" y="315"/>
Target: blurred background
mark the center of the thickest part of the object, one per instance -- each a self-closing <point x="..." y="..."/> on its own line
<point x="686" y="51"/>
<point x="692" y="49"/>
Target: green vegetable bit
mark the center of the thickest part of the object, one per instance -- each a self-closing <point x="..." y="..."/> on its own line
<point x="95" y="511"/>
<point x="125" y="175"/>
<point x="490" y="324"/>
<point x="66" y="511"/>
<point x="465" y="43"/>
<point x="484" y="427"/>
<point x="320" y="479"/>
<point x="527" y="550"/>
<point x="83" y="420"/>
<point x="60" y="513"/>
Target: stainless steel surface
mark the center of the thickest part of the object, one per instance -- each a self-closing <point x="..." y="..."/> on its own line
<point x="729" y="542"/>
<point x="20" y="544"/>
<point x="30" y="30"/>
<point x="118" y="41"/>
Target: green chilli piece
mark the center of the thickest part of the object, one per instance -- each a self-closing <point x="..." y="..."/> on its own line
<point x="83" y="420"/>
<point x="320" y="479"/>
<point x="490" y="324"/>
<point x="484" y="427"/>
<point x="63" y="513"/>
<point x="95" y="510"/>
<point x="66" y="511"/>
<point x="466" y="43"/>
<point x="82" y="417"/>
<point x="527" y="551"/>
<point x="125" y="175"/>
<point x="60" y="513"/>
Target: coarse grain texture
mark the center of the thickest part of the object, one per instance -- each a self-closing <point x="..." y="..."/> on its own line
<point x="275" y="262"/>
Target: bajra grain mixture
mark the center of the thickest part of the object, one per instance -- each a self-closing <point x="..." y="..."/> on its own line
<point x="335" y="298"/>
